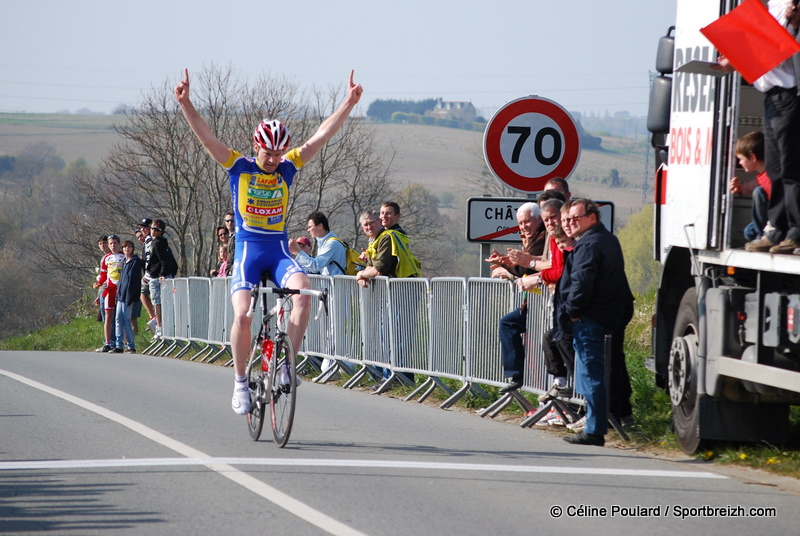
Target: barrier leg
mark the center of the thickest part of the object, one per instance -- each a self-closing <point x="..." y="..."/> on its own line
<point x="455" y="396"/>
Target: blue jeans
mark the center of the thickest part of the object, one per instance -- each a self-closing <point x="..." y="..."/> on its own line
<point x="123" y="322"/>
<point x="589" y="341"/>
<point x="511" y="328"/>
<point x="755" y="228"/>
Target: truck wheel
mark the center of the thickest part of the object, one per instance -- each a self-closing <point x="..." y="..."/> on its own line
<point x="682" y="377"/>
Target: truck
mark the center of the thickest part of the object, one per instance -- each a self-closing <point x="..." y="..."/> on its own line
<point x="726" y="325"/>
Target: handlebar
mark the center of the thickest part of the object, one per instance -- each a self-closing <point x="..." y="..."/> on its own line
<point x="321" y="295"/>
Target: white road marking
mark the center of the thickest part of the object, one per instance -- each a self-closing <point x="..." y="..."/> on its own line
<point x="382" y="464"/>
<point x="288" y="503"/>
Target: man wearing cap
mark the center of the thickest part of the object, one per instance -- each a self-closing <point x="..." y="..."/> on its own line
<point x="331" y="257"/>
<point x="146" y="239"/>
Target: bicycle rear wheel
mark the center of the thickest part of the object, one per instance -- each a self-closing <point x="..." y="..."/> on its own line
<point x="282" y="390"/>
<point x="256" y="379"/>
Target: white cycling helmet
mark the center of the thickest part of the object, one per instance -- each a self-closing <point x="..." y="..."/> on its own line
<point x="271" y="134"/>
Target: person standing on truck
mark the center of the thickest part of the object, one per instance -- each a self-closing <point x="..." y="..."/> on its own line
<point x="592" y="300"/>
<point x="750" y="153"/>
<point x="781" y="140"/>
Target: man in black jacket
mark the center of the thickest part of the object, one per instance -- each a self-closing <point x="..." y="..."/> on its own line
<point x="160" y="265"/>
<point x="594" y="300"/>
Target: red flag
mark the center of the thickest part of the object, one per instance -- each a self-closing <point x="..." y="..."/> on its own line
<point x="752" y="40"/>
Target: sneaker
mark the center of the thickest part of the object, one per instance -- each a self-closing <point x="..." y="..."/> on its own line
<point x="513" y="385"/>
<point x="549" y="395"/>
<point x="241" y="400"/>
<point x="151" y="324"/>
<point x="158" y="332"/>
<point x="578" y="425"/>
<point x="556" y="421"/>
<point x="762" y="244"/>
<point x="116" y="350"/>
<point x="786" y="247"/>
<point x="545" y="421"/>
<point x="104" y="349"/>
<point x="130" y="351"/>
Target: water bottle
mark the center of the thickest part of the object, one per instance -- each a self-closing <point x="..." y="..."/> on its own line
<point x="267" y="349"/>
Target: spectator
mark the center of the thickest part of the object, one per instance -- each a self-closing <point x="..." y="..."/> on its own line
<point x="560" y="185"/>
<point x="305" y="245"/>
<point x="222" y="258"/>
<point x="392" y="258"/>
<point x="518" y="264"/>
<point x="223" y="235"/>
<point x="259" y="231"/>
<point x="331" y="256"/>
<point x="128" y="294"/>
<point x="230" y="225"/>
<point x="110" y="272"/>
<point x="781" y="139"/>
<point x="392" y="253"/>
<point x="146" y="239"/>
<point x="750" y="152"/>
<point x="592" y="300"/>
<point x="102" y="244"/>
<point x="559" y="355"/>
<point x="370" y="222"/>
<point x="160" y="266"/>
<point x="136" y="308"/>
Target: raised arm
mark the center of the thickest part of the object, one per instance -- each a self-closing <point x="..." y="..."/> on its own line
<point x="218" y="150"/>
<point x="332" y="124"/>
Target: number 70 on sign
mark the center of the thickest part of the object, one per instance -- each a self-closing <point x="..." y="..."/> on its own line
<point x="530" y="141"/>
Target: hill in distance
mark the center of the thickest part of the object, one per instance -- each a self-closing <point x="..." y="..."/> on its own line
<point x="442" y="159"/>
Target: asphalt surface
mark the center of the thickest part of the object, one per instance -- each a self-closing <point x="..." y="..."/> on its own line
<point x="121" y="444"/>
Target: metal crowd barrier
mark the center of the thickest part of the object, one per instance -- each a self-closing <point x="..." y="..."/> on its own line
<point x="439" y="328"/>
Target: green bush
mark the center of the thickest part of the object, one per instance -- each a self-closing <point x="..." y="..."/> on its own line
<point x="636" y="239"/>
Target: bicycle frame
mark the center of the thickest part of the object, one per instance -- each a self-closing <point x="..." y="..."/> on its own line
<point x="274" y="382"/>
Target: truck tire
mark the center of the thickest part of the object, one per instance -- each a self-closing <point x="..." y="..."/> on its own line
<point x="682" y="376"/>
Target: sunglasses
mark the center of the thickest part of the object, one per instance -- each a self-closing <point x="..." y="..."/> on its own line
<point x="156" y="229"/>
<point x="228" y="221"/>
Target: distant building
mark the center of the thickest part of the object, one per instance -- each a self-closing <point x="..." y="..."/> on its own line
<point x="455" y="110"/>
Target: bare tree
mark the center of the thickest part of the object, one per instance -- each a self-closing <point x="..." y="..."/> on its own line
<point x="160" y="170"/>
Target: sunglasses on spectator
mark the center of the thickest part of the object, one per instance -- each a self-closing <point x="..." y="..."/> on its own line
<point x="575" y="219"/>
<point x="156" y="229"/>
<point x="228" y="221"/>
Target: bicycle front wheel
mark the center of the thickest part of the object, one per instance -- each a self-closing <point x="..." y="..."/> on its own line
<point x="256" y="379"/>
<point x="282" y="390"/>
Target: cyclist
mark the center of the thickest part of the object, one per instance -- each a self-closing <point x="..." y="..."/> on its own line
<point x="260" y="188"/>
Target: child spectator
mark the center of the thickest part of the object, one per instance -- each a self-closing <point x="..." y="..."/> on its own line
<point x="750" y="152"/>
<point x="222" y="257"/>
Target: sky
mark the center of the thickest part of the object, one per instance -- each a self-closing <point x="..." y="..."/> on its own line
<point x="588" y="56"/>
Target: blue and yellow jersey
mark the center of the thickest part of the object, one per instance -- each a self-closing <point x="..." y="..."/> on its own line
<point x="260" y="199"/>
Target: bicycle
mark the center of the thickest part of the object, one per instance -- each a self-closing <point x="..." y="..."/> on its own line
<point x="271" y="369"/>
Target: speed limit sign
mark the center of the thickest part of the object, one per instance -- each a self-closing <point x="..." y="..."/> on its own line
<point x="530" y="141"/>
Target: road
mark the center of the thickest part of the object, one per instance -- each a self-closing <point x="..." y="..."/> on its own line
<point x="122" y="444"/>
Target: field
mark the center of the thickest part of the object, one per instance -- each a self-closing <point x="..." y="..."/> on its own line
<point x="444" y="160"/>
